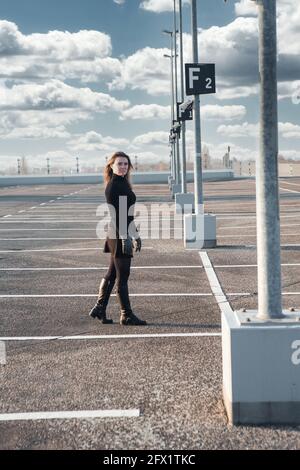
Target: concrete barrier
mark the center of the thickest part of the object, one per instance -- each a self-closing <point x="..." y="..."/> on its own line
<point x="159" y="177"/>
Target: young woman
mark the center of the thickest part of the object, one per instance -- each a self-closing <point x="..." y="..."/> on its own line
<point x="121" y="239"/>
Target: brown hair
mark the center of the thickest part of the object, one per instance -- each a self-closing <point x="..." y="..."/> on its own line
<point x="108" y="172"/>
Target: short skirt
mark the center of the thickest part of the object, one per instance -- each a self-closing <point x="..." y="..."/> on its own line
<point x="114" y="246"/>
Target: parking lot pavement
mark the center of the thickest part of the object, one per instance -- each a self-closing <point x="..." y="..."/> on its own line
<point x="169" y="373"/>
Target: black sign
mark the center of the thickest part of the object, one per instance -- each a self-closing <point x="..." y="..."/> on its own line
<point x="184" y="114"/>
<point x="200" y="79"/>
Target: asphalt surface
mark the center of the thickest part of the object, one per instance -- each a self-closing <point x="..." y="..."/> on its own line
<point x="51" y="263"/>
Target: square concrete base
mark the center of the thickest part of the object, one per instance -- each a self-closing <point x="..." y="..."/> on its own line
<point x="184" y="203"/>
<point x="261" y="368"/>
<point x="199" y="231"/>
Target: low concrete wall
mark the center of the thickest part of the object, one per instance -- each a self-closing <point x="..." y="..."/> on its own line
<point x="138" y="178"/>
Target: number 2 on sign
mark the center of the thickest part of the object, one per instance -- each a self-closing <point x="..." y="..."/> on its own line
<point x="208" y="83"/>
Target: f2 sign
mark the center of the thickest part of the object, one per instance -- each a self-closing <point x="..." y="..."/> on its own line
<point x="200" y="79"/>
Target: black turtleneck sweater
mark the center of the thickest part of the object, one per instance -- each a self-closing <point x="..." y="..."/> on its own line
<point x="119" y="186"/>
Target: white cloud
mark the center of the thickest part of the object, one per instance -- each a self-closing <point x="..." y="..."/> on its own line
<point x="92" y="141"/>
<point x="147" y="112"/>
<point x="208" y="112"/>
<point x="245" y="8"/>
<point x="290" y="154"/>
<point x="57" y="54"/>
<point x="147" y="70"/>
<point x="288" y="14"/>
<point x="152" y="138"/>
<point x="215" y="112"/>
<point x="31" y="132"/>
<point x="234" y="50"/>
<point x="119" y="2"/>
<point x="56" y="45"/>
<point x="289" y="130"/>
<point x="236" y="151"/>
<point x="239" y="130"/>
<point x="56" y="94"/>
<point x="159" y="6"/>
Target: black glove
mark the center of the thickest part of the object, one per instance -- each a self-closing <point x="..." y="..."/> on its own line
<point x="137" y="244"/>
<point x="127" y="247"/>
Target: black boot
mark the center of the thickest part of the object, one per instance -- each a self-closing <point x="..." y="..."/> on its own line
<point x="99" y="310"/>
<point x="127" y="315"/>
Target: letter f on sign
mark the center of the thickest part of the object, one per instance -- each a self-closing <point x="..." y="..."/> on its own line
<point x="192" y="76"/>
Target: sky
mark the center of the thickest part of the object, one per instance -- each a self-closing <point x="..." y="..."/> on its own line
<point x="84" y="79"/>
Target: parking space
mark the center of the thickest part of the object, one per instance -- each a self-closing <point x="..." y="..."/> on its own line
<point x="170" y="372"/>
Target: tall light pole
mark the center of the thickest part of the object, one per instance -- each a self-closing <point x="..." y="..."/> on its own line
<point x="183" y="127"/>
<point x="198" y="185"/>
<point x="77" y="164"/>
<point x="267" y="190"/>
<point x="19" y="166"/>
<point x="175" y="144"/>
<point x="172" y="103"/>
<point x="175" y="31"/>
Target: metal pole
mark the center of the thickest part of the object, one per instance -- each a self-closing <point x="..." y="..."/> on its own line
<point x="183" y="127"/>
<point x="198" y="185"/>
<point x="176" y="95"/>
<point x="267" y="191"/>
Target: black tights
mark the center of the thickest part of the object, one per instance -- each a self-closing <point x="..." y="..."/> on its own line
<point x="119" y="269"/>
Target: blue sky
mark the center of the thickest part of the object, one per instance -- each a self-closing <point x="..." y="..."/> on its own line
<point x="88" y="78"/>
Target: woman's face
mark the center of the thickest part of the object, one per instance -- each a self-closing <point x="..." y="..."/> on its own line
<point x="120" y="166"/>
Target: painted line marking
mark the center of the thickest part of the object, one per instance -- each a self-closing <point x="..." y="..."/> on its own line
<point x="97" y="337"/>
<point x="215" y="286"/>
<point x="85" y="414"/>
<point x="44" y="238"/>
<point x="185" y="294"/>
<point x="254" y="235"/>
<point x="290" y="190"/>
<point x="249" y="265"/>
<point x="233" y="227"/>
<point x="60" y="249"/>
<point x="83" y="268"/>
<point x="46" y="229"/>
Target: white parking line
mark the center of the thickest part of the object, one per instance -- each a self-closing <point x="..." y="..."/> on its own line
<point x="34" y="296"/>
<point x="254" y="235"/>
<point x="290" y="190"/>
<point x="215" y="285"/>
<point x="91" y="268"/>
<point x="47" y="229"/>
<point x="249" y="265"/>
<point x="44" y="238"/>
<point x="61" y="249"/>
<point x="97" y="337"/>
<point x="85" y="414"/>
